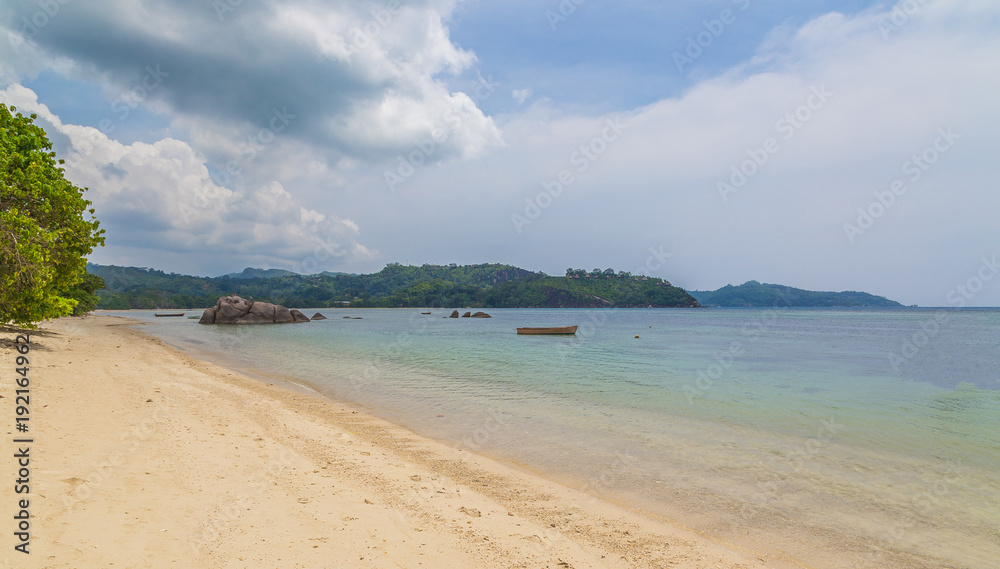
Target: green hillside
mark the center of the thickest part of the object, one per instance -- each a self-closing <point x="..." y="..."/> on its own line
<point x="755" y="294"/>
<point x="473" y="286"/>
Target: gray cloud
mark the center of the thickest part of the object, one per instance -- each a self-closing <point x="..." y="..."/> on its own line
<point x="358" y="77"/>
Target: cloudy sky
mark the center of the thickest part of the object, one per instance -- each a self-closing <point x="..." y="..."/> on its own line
<point x="827" y="145"/>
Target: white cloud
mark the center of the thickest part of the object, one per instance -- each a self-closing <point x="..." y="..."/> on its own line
<point x="521" y="95"/>
<point x="160" y="197"/>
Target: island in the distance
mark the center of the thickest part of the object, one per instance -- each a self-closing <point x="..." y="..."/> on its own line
<point x="753" y="294"/>
<point x="487" y="285"/>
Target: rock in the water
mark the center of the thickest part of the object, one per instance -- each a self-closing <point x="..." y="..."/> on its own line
<point x="263" y="310"/>
<point x="347" y="318"/>
<point x="318" y="316"/>
<point x="467" y="315"/>
<point x="229" y="309"/>
<point x="208" y="317"/>
<point x="481" y="315"/>
<point x="283" y="315"/>
<point x="454" y="314"/>
<point x="236" y="310"/>
<point x="252" y="318"/>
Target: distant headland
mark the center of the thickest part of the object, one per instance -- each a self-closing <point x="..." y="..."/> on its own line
<point x="753" y="294"/>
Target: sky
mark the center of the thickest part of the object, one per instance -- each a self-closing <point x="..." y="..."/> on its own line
<point x="824" y="145"/>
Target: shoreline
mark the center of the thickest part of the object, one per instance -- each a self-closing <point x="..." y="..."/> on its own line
<point x="148" y="456"/>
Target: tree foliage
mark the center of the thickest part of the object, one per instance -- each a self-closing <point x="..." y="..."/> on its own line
<point x="472" y="286"/>
<point x="85" y="293"/>
<point x="45" y="234"/>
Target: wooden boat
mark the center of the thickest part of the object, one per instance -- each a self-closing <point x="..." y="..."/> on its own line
<point x="425" y="312"/>
<point x="167" y="314"/>
<point x="553" y="331"/>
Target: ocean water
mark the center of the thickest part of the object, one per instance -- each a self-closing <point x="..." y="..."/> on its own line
<point x="825" y="438"/>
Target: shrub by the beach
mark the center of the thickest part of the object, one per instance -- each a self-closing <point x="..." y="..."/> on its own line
<point x="45" y="234"/>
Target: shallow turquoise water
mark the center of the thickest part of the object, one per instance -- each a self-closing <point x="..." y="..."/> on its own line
<point x="846" y="438"/>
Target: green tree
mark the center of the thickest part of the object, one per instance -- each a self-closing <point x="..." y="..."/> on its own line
<point x="45" y="235"/>
<point x="85" y="293"/>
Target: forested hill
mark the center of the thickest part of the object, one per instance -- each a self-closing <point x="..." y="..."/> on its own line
<point x="755" y="294"/>
<point x="472" y="286"/>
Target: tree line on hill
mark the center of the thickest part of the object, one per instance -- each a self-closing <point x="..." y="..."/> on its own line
<point x="474" y="286"/>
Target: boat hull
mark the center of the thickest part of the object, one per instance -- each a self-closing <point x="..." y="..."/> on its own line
<point x="557" y="331"/>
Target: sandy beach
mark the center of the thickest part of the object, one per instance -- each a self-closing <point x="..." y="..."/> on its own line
<point x="146" y="457"/>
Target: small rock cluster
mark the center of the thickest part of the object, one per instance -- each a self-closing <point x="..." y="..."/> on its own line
<point x="454" y="314"/>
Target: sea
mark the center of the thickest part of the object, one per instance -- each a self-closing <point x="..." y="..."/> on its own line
<point x="824" y="438"/>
